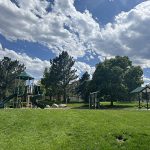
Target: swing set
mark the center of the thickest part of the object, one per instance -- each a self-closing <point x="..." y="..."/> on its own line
<point x="93" y="100"/>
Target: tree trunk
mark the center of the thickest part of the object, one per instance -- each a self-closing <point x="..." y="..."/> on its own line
<point x="64" y="95"/>
<point x="50" y="97"/>
<point x="57" y="97"/>
<point x="111" y="103"/>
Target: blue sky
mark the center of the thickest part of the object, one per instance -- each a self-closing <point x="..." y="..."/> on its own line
<point x="35" y="31"/>
<point x="106" y="10"/>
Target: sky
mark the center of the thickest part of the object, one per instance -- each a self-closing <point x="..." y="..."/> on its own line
<point x="35" y="31"/>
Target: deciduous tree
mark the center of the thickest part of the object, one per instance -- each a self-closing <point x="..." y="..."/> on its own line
<point x="116" y="78"/>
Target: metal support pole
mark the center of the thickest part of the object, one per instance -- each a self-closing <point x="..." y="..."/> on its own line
<point x="147" y="98"/>
<point x="139" y="100"/>
<point x="95" y="99"/>
<point x="89" y="101"/>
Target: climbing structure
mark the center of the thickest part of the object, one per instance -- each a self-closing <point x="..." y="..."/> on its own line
<point x="24" y="92"/>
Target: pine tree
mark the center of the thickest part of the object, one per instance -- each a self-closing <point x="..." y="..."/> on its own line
<point x="60" y="74"/>
<point x="9" y="70"/>
<point x="83" y="87"/>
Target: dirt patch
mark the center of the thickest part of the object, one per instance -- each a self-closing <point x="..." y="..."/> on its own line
<point x="121" y="139"/>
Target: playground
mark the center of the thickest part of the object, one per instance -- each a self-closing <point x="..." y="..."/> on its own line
<point x="29" y="95"/>
<point x="96" y="124"/>
<point x="77" y="126"/>
<point x="25" y="95"/>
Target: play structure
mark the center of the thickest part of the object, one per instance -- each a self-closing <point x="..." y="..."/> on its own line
<point x="143" y="95"/>
<point x="25" y="94"/>
<point x="93" y="100"/>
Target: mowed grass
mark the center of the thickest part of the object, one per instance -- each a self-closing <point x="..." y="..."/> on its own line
<point x="106" y="105"/>
<point x="120" y="105"/>
<point x="60" y="129"/>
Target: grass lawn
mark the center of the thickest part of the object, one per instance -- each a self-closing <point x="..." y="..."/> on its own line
<point x="106" y="105"/>
<point x="119" y="105"/>
<point x="78" y="105"/>
<point x="36" y="129"/>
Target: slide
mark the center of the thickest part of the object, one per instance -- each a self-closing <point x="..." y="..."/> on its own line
<point x="6" y="100"/>
<point x="38" y="104"/>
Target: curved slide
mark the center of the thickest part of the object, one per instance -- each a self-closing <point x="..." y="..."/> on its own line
<point x="6" y="100"/>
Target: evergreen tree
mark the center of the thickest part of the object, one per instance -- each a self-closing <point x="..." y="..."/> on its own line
<point x="83" y="87"/>
<point x="60" y="74"/>
<point x="9" y="70"/>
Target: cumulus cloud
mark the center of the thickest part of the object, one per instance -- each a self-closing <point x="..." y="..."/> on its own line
<point x="36" y="66"/>
<point x="38" y="7"/>
<point x="129" y="35"/>
<point x="65" y="28"/>
<point x="83" y="67"/>
<point x="146" y="81"/>
<point x="19" y="23"/>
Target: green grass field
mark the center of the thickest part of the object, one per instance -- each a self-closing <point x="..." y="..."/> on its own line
<point x="106" y="105"/>
<point x="36" y="129"/>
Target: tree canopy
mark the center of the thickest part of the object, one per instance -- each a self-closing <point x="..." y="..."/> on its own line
<point x="83" y="86"/>
<point x="115" y="78"/>
<point x="57" y="77"/>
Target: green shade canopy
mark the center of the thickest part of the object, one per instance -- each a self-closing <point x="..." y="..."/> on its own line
<point x="141" y="89"/>
<point x="138" y="89"/>
<point x="24" y="76"/>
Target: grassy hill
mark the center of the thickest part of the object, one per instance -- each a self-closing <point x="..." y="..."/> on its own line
<point x="29" y="129"/>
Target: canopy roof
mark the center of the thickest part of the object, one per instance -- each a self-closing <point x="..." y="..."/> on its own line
<point x="25" y="76"/>
<point x="141" y="89"/>
<point x="138" y="89"/>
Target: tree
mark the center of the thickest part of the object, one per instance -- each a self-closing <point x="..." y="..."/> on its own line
<point x="83" y="87"/>
<point x="115" y="78"/>
<point x="60" y="74"/>
<point x="50" y="83"/>
<point x="9" y="70"/>
<point x="133" y="78"/>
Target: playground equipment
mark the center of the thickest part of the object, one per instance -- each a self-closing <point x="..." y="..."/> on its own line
<point x="93" y="100"/>
<point x="24" y="92"/>
<point x="143" y="95"/>
<point x="6" y="100"/>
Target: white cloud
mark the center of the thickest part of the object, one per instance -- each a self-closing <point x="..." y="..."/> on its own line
<point x="38" y="7"/>
<point x="146" y="80"/>
<point x="62" y="29"/>
<point x="83" y="67"/>
<point x="36" y="66"/>
<point x="65" y="28"/>
<point x="129" y="35"/>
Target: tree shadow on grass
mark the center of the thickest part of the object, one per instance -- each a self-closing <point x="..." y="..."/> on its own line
<point x="84" y="106"/>
<point x="116" y="106"/>
<point x="107" y="107"/>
